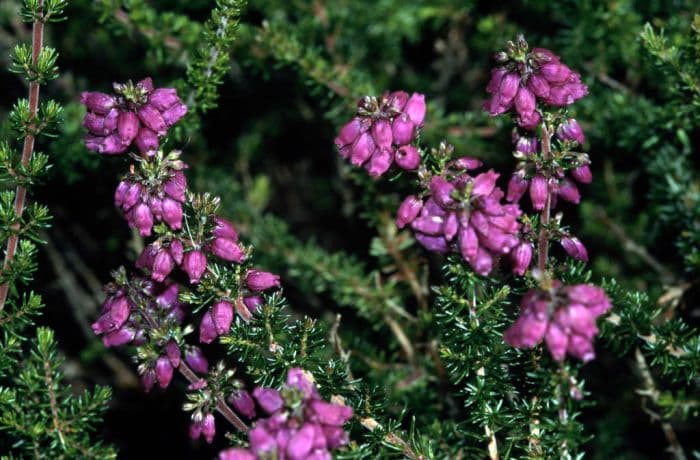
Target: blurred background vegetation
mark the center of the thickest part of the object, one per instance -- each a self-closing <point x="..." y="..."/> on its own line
<point x="262" y="138"/>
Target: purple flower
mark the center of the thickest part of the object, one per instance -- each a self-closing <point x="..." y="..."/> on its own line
<point x="563" y="317"/>
<point x="136" y="114"/>
<point x="382" y="131"/>
<point x="465" y="214"/>
<point x="574" y="248"/>
<point x="194" y="263"/>
<point x="544" y="79"/>
<point x="227" y="249"/>
<point x="570" y="130"/>
<point x="196" y="360"/>
<point x="243" y="403"/>
<point x="257" y="280"/>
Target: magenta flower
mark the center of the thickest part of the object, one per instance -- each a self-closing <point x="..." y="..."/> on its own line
<point x="525" y="78"/>
<point x="564" y="317"/>
<point x="382" y="131"/>
<point x="300" y="425"/>
<point x="154" y="192"/>
<point x="465" y="214"/>
<point x="136" y="114"/>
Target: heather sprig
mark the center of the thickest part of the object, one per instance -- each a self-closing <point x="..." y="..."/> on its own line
<point x="41" y="416"/>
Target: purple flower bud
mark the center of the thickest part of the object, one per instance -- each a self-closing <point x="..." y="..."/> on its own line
<point x="120" y="193"/>
<point x="194" y="263"/>
<point x="538" y="85"/>
<point x="516" y="187"/>
<point x="172" y="351"/>
<point x="521" y="257"/>
<point x="96" y="124"/>
<point x="222" y="314"/>
<point x="415" y="108"/>
<point x="146" y="84"/>
<point x="269" y="399"/>
<point x="127" y="126"/>
<point x="430" y="225"/>
<point x="574" y="248"/>
<point x="207" y="329"/>
<point x="483" y="262"/>
<point x="172" y="213"/>
<point x="196" y="360"/>
<point x="568" y="191"/>
<point x="155" y="204"/>
<point x="108" y="145"/>
<point x="529" y="120"/>
<point x="131" y="196"/>
<point x="403" y="130"/>
<point x="153" y="120"/>
<point x="147" y="141"/>
<point x="195" y="430"/>
<point x="484" y="183"/>
<point x="582" y="174"/>
<point x="526" y="145"/>
<point x="176" y="186"/>
<point x="362" y="149"/>
<point x="300" y="379"/>
<point x="331" y="414"/>
<point x="525" y="101"/>
<point x="380" y="161"/>
<point x="243" y="403"/>
<point x="442" y="191"/>
<point x="253" y="302"/>
<point x="163" y="98"/>
<point x="168" y="298"/>
<point x="407" y="157"/>
<point x="451" y="226"/>
<point x="467" y="163"/>
<point x="173" y="114"/>
<point x="257" y="280"/>
<point x="163" y="264"/>
<point x="408" y="211"/>
<point x="381" y="133"/>
<point x="557" y="341"/>
<point x="508" y="88"/>
<point x="148" y="379"/>
<point x="227" y="249"/>
<point x="236" y="454"/>
<point x="570" y="130"/>
<point x="432" y="243"/>
<point x="398" y="100"/>
<point x="98" y="102"/>
<point x="119" y="337"/>
<point x="142" y="219"/>
<point x="538" y="192"/>
<point x="555" y="72"/>
<point x="164" y="371"/>
<point x="209" y="428"/>
<point x="176" y="251"/>
<point x="224" y="229"/>
<point x="300" y="443"/>
<point x="349" y="133"/>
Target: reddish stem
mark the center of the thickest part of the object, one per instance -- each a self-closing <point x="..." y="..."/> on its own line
<point x="21" y="192"/>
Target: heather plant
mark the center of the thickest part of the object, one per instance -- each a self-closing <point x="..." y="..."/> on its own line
<point x="40" y="415"/>
<point x="375" y="229"/>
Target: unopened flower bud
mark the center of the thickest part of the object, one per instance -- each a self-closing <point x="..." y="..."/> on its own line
<point x="257" y="280"/>
<point x="164" y="371"/>
<point x="243" y="403"/>
<point x="209" y="428"/>
<point x="408" y="211"/>
<point x="194" y="263"/>
<point x="575" y="248"/>
<point x="128" y="126"/>
<point x="403" y="130"/>
<point x="152" y="119"/>
<point x="415" y="108"/>
<point x="196" y="360"/>
<point x="172" y="213"/>
<point x="407" y="157"/>
<point x="222" y="314"/>
<point x="570" y="130"/>
<point x="538" y="192"/>
<point x="582" y="174"/>
<point x="207" y="329"/>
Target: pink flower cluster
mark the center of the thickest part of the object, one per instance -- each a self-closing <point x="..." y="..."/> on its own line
<point x="464" y="213"/>
<point x="565" y="317"/>
<point x="123" y="321"/>
<point x="382" y="132"/>
<point x="137" y="114"/>
<point x="526" y="77"/>
<point x="299" y="424"/>
<point x="146" y="199"/>
<point x="540" y="182"/>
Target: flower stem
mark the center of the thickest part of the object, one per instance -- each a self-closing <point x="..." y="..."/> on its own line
<point x="28" y="148"/>
<point x="543" y="239"/>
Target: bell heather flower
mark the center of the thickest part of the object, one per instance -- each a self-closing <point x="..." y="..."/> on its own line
<point x="154" y="191"/>
<point x="257" y="280"/>
<point x="564" y="317"/>
<point x="525" y="78"/>
<point x="137" y="114"/>
<point x="574" y="247"/>
<point x="570" y="130"/>
<point x="300" y="425"/>
<point x="464" y="214"/>
<point x="381" y="132"/>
